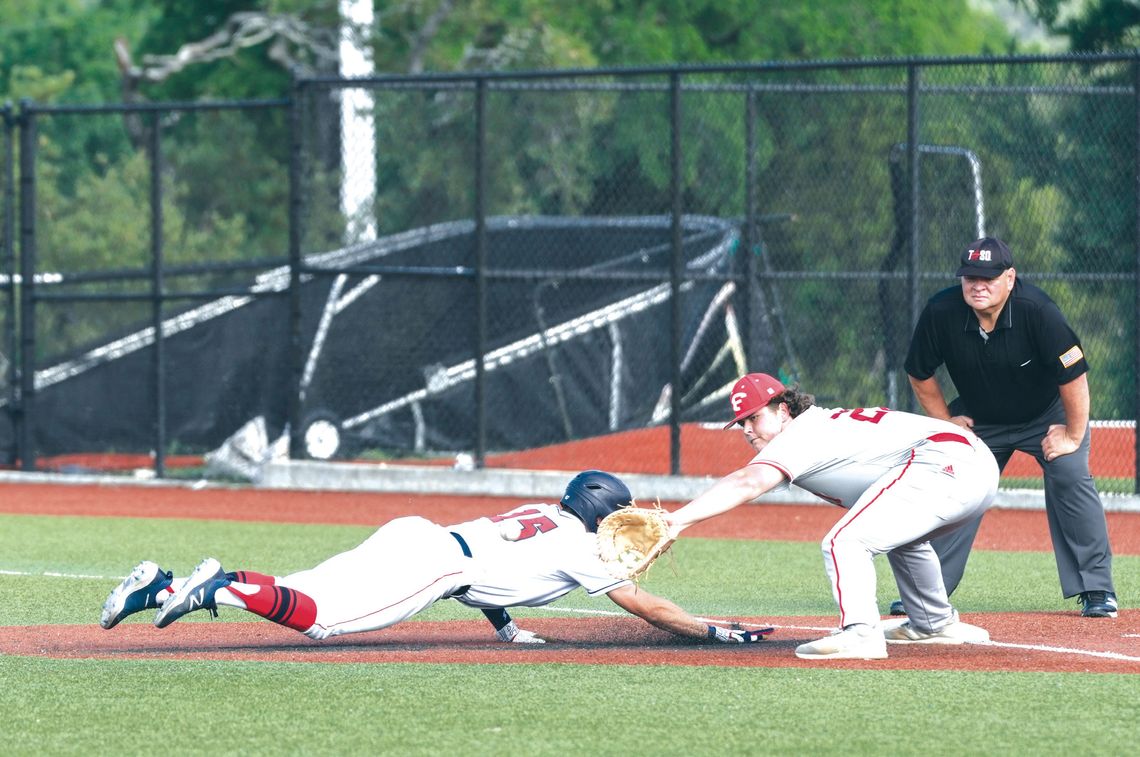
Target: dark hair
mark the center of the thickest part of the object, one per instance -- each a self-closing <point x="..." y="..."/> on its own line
<point x="796" y="400"/>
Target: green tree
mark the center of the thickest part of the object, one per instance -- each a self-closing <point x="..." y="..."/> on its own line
<point x="822" y="157"/>
<point x="1090" y="25"/>
<point x="531" y="34"/>
<point x="1092" y="176"/>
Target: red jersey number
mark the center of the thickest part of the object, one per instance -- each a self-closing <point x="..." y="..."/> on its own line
<point x="870" y="415"/>
<point x="532" y="523"/>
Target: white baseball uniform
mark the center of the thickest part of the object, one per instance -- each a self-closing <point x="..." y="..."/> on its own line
<point x="410" y="563"/>
<point x="903" y="479"/>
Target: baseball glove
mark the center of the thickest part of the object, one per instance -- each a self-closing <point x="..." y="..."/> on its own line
<point x="630" y="539"/>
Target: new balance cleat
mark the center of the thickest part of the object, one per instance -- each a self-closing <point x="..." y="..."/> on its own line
<point x="196" y="594"/>
<point x="137" y="592"/>
<point x="1098" y="604"/>
<point x="859" y="642"/>
<point x="955" y="632"/>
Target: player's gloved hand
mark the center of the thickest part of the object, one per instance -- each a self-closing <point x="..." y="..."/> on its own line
<point x="512" y="633"/>
<point x="738" y="635"/>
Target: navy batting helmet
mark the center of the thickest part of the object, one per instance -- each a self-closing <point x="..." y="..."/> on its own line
<point x="594" y="494"/>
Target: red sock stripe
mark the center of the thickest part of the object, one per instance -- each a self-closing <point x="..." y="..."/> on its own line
<point x="284" y="606"/>
<point x="303" y="612"/>
<point x="250" y="577"/>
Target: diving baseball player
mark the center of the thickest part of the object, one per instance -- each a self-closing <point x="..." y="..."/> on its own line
<point x="529" y="556"/>
<point x="902" y="478"/>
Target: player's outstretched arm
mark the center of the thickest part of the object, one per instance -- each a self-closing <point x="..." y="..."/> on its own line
<point x="667" y="616"/>
<point x="738" y="487"/>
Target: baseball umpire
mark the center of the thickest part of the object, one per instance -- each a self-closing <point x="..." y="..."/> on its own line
<point x="529" y="556"/>
<point x="1021" y="376"/>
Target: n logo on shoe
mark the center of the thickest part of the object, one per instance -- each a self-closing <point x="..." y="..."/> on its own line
<point x="197" y="599"/>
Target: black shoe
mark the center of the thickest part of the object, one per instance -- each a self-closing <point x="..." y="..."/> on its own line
<point x="1098" y="604"/>
<point x="897" y="608"/>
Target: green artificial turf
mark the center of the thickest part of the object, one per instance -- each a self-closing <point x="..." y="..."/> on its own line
<point x="59" y="570"/>
<point x="708" y="577"/>
<point x="219" y="708"/>
<point x="1104" y="484"/>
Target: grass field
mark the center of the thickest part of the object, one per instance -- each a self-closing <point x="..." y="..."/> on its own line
<point x="61" y="706"/>
<point x="1104" y="484"/>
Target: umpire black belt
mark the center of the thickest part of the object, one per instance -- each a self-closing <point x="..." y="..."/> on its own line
<point x="466" y="553"/>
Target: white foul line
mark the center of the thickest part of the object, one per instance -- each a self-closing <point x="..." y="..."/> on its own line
<point x="50" y="574"/>
<point x="1062" y="650"/>
<point x="1011" y="645"/>
<point x="991" y="643"/>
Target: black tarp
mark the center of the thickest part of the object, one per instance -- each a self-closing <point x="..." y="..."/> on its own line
<point x="389" y="355"/>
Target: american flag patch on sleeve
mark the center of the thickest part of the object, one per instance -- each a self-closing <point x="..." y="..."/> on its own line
<point x="1072" y="356"/>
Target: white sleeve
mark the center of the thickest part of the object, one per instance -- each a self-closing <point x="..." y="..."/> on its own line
<point x="583" y="566"/>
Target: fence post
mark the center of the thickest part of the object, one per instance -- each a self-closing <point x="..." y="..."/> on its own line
<point x="675" y="272"/>
<point x="294" y="354"/>
<point x="1136" y="271"/>
<point x="157" y="295"/>
<point x="913" y="74"/>
<point x="12" y="344"/>
<point x="26" y="410"/>
<point x="751" y="232"/>
<point x="480" y="271"/>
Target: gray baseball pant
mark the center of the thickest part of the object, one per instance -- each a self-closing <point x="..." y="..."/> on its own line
<point x="1076" y="516"/>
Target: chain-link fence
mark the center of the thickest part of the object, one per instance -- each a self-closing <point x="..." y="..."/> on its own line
<point x="140" y="230"/>
<point x="569" y="269"/>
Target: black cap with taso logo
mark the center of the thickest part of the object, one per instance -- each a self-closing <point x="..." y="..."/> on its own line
<point x="985" y="258"/>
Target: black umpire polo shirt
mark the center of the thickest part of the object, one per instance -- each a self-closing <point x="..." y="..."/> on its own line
<point x="1011" y="377"/>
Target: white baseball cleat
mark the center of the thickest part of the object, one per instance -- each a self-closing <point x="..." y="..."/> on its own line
<point x="858" y="642"/>
<point x="137" y="592"/>
<point x="197" y="593"/>
<point x="954" y="632"/>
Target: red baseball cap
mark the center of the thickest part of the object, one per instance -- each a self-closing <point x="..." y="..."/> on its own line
<point x="751" y="393"/>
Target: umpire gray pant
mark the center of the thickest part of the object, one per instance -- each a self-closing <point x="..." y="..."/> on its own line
<point x="1076" y="516"/>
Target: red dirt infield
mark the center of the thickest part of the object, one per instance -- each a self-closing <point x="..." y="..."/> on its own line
<point x="1056" y="641"/>
<point x="1021" y="642"/>
<point x="711" y="451"/>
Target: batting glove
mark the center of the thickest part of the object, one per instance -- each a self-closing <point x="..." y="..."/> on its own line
<point x="512" y="633"/>
<point x="738" y="635"/>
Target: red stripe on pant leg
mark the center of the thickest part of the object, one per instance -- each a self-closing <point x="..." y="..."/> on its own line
<point x="838" y="589"/>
